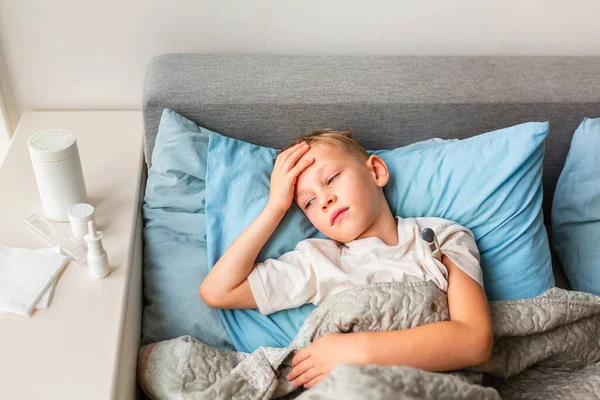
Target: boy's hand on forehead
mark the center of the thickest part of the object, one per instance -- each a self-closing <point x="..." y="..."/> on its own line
<point x="284" y="175"/>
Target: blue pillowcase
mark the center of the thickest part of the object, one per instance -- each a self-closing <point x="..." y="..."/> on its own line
<point x="501" y="204"/>
<point x="489" y="183"/>
<point x="576" y="210"/>
<point x="175" y="237"/>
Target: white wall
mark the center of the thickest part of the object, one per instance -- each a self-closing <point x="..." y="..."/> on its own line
<point x="81" y="54"/>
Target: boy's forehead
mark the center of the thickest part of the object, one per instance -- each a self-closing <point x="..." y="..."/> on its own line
<point x="323" y="153"/>
<point x="324" y="156"/>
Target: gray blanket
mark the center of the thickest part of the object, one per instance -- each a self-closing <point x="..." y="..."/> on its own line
<point x="546" y="348"/>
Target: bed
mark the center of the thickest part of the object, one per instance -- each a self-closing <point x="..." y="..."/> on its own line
<point x="387" y="101"/>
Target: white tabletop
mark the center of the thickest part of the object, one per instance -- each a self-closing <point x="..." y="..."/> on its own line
<point x="69" y="351"/>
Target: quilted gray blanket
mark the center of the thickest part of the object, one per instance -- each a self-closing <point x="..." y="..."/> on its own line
<point x="546" y="348"/>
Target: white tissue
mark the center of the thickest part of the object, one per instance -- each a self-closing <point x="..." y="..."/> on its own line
<point x="46" y="299"/>
<point x="28" y="278"/>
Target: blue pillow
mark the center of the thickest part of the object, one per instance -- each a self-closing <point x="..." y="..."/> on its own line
<point x="175" y="237"/>
<point x="576" y="210"/>
<point x="489" y="183"/>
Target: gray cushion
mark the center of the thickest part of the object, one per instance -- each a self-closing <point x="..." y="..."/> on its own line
<point x="387" y="101"/>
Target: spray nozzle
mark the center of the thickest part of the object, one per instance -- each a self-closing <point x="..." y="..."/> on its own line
<point x="97" y="259"/>
<point x="92" y="230"/>
<point x="94" y="239"/>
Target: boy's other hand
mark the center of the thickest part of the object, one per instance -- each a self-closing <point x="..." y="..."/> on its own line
<point x="313" y="363"/>
<point x="284" y="175"/>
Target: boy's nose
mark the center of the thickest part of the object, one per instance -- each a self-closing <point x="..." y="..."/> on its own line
<point x="327" y="202"/>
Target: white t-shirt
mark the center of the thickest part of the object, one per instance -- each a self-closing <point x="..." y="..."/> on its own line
<point x="319" y="268"/>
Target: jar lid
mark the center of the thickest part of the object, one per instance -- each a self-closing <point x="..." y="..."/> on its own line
<point x="81" y="212"/>
<point x="52" y="145"/>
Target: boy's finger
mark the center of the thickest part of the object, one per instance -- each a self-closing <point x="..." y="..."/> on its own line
<point x="293" y="158"/>
<point x="314" y="381"/>
<point x="284" y="154"/>
<point x="299" y="369"/>
<point x="301" y="166"/>
<point x="300" y="356"/>
<point x="298" y="149"/>
<point x="306" y="376"/>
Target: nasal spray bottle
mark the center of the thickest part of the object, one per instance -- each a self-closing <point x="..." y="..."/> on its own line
<point x="97" y="260"/>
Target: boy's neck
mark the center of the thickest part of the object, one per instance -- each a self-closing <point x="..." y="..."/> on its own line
<point x="385" y="228"/>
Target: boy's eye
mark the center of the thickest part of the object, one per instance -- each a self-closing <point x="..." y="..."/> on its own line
<point x="328" y="182"/>
<point x="331" y="179"/>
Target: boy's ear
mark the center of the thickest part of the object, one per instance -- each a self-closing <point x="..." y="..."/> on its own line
<point x="378" y="169"/>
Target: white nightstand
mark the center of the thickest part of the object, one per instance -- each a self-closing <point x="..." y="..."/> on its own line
<point x="84" y="345"/>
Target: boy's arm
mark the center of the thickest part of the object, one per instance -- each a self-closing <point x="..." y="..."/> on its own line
<point x="226" y="285"/>
<point x="466" y="340"/>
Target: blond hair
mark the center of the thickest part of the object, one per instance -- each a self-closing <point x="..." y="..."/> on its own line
<point x="340" y="139"/>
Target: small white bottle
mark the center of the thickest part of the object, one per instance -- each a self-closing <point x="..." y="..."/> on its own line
<point x="58" y="173"/>
<point x="96" y="256"/>
<point x="80" y="215"/>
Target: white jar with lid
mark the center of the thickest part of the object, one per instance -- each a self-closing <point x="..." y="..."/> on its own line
<point x="58" y="173"/>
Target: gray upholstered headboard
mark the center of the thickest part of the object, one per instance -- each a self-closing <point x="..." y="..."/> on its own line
<point x="387" y="101"/>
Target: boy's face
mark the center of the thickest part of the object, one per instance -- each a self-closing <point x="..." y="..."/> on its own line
<point x="338" y="181"/>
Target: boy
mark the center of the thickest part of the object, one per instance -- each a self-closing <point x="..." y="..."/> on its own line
<point x="339" y="187"/>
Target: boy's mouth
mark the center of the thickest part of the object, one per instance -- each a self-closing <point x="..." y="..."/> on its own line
<point x="338" y="215"/>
